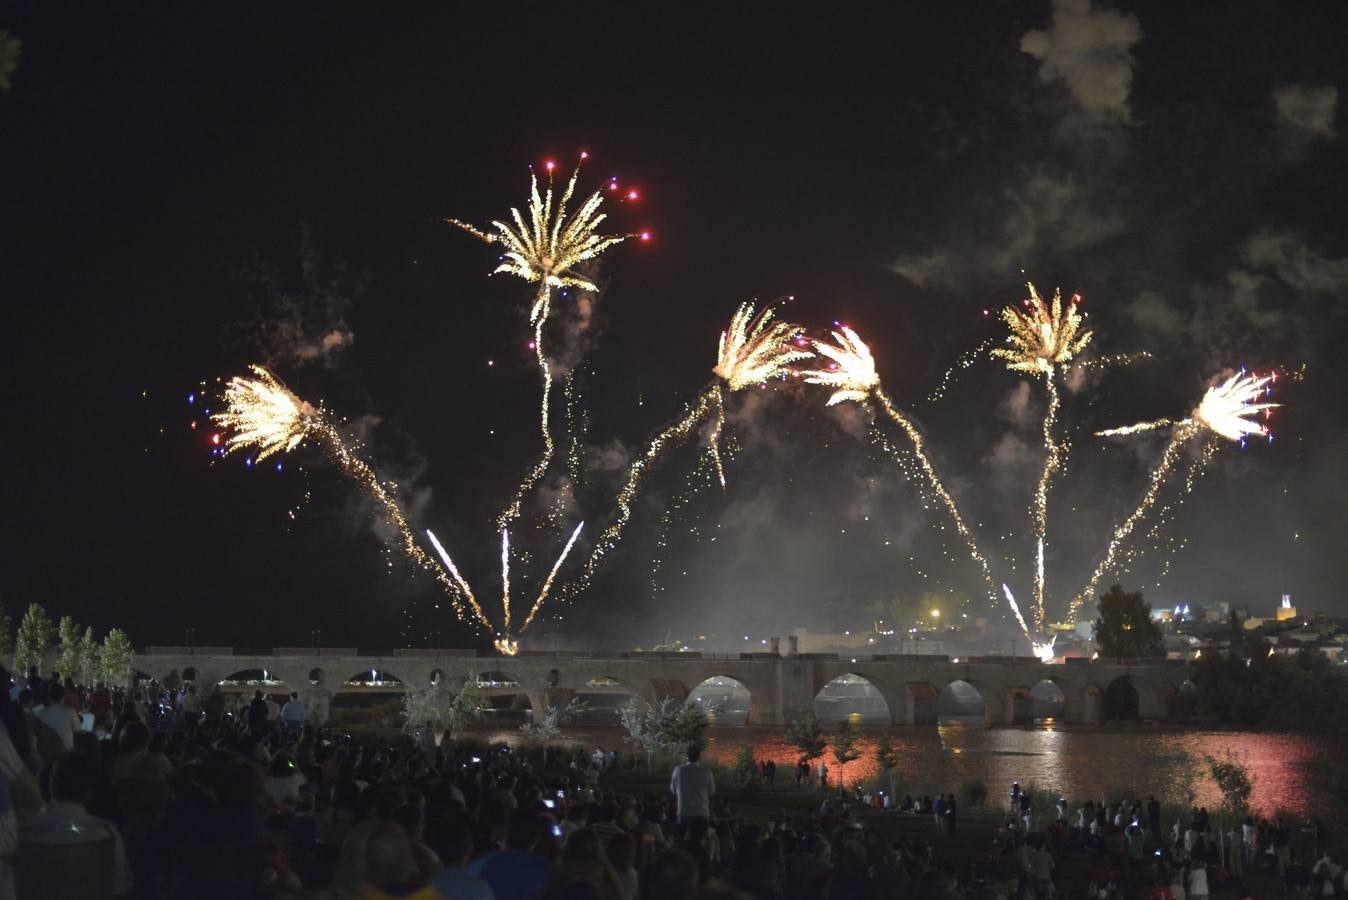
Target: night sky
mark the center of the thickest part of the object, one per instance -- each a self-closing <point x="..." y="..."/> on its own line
<point x="187" y="194"/>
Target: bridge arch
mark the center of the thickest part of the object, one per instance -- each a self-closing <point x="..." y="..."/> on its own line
<point x="962" y="702"/>
<point x="1121" y="700"/>
<point x="853" y="697"/>
<point x="725" y="700"/>
<point x="1048" y="701"/>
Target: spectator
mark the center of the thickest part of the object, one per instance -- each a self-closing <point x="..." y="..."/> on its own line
<point x="293" y="714"/>
<point x="64" y="840"/>
<point x="693" y="787"/>
<point x="284" y="781"/>
<point x="456" y="845"/>
<point x="515" y="873"/>
<point x="257" y="714"/>
<point x="61" y="719"/>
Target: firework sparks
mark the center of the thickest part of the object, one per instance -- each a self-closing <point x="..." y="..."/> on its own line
<point x="504" y="642"/>
<point x="545" y="247"/>
<point x="1044" y="336"/>
<point x="851" y="373"/>
<point x="1134" y="429"/>
<point x="1226" y="410"/>
<point x="850" y="370"/>
<point x="264" y="415"/>
<point x="547" y="584"/>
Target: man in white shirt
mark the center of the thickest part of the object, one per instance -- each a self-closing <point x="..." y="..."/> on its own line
<point x="293" y="713"/>
<point x="692" y="785"/>
<point x="60" y="718"/>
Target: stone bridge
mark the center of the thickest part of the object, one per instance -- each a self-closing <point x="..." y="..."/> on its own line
<point x="781" y="688"/>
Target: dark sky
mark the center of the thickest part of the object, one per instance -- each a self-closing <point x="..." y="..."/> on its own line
<point x="170" y="176"/>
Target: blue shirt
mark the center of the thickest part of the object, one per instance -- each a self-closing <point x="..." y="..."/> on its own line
<point x="460" y="885"/>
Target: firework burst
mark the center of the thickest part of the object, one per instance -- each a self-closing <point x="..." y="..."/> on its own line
<point x="851" y="373"/>
<point x="264" y="415"/>
<point x="544" y="247"/>
<point x="1044" y="337"/>
<point x="1227" y="410"/>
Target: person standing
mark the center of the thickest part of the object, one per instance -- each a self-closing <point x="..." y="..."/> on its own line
<point x="293" y="714"/>
<point x="950" y="815"/>
<point x="257" y="714"/>
<point x="692" y="785"/>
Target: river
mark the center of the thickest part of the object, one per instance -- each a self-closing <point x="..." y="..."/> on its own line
<point x="1080" y="761"/>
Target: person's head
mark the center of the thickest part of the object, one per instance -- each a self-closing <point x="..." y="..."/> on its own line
<point x="283" y="765"/>
<point x="524" y="831"/>
<point x="26" y="698"/>
<point x="622" y="851"/>
<point x="257" y="695"/>
<point x="455" y="841"/>
<point x="694" y="753"/>
<point x="388" y="856"/>
<point x="55" y="693"/>
<point x="412" y="820"/>
<point x="135" y="736"/>
<point x="74" y="778"/>
<point x="583" y="846"/>
<point x="294" y="695"/>
<point x="673" y="876"/>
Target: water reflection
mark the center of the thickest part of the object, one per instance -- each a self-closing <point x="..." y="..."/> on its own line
<point x="1081" y="762"/>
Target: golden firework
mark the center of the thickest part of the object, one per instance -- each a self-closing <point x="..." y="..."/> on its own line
<point x="756" y="348"/>
<point x="851" y="373"/>
<point x="1043" y="335"/>
<point x="262" y="414"/>
<point x="851" y="367"/>
<point x="544" y="247"/>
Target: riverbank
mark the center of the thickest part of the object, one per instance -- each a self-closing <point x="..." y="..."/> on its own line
<point x="972" y="842"/>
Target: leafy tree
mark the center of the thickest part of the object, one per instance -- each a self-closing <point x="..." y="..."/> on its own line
<point x="646" y="725"/>
<point x="846" y="738"/>
<point x="447" y="711"/>
<point x="1233" y="779"/>
<point x="745" y="767"/>
<point x="548" y="729"/>
<point x="10" y="49"/>
<point x="1125" y="628"/>
<point x="887" y="755"/>
<point x="6" y="631"/>
<point x="88" y="672"/>
<point x="68" y="660"/>
<point x="35" y="634"/>
<point x="687" y="728"/>
<point x="116" y="665"/>
<point x="807" y="736"/>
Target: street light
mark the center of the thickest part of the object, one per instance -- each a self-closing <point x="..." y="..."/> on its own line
<point x="936" y="614"/>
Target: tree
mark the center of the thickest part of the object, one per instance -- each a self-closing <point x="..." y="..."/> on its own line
<point x="745" y="767"/>
<point x="1233" y="779"/>
<point x="646" y="725"/>
<point x="887" y="755"/>
<point x="687" y="728"/>
<point x="1125" y="628"/>
<point x="846" y="737"/>
<point x="6" y="632"/>
<point x="35" y="634"/>
<point x="116" y="665"/>
<point x="446" y="711"/>
<point x="68" y="660"/>
<point x="88" y="673"/>
<point x="9" y="59"/>
<point x="807" y="736"/>
<point x="548" y="729"/>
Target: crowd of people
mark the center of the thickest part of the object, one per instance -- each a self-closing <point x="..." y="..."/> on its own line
<point x="154" y="795"/>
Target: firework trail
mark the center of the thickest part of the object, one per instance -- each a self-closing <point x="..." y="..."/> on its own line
<point x="1043" y="336"/>
<point x="851" y="373"/>
<point x="752" y="351"/>
<point x="263" y="414"/>
<point x="1227" y="410"/>
<point x="504" y="642"/>
<point x="545" y="248"/>
<point x="1134" y="429"/>
<point x="964" y="361"/>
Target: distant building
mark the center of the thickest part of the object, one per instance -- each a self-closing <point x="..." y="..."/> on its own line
<point x="1285" y="609"/>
